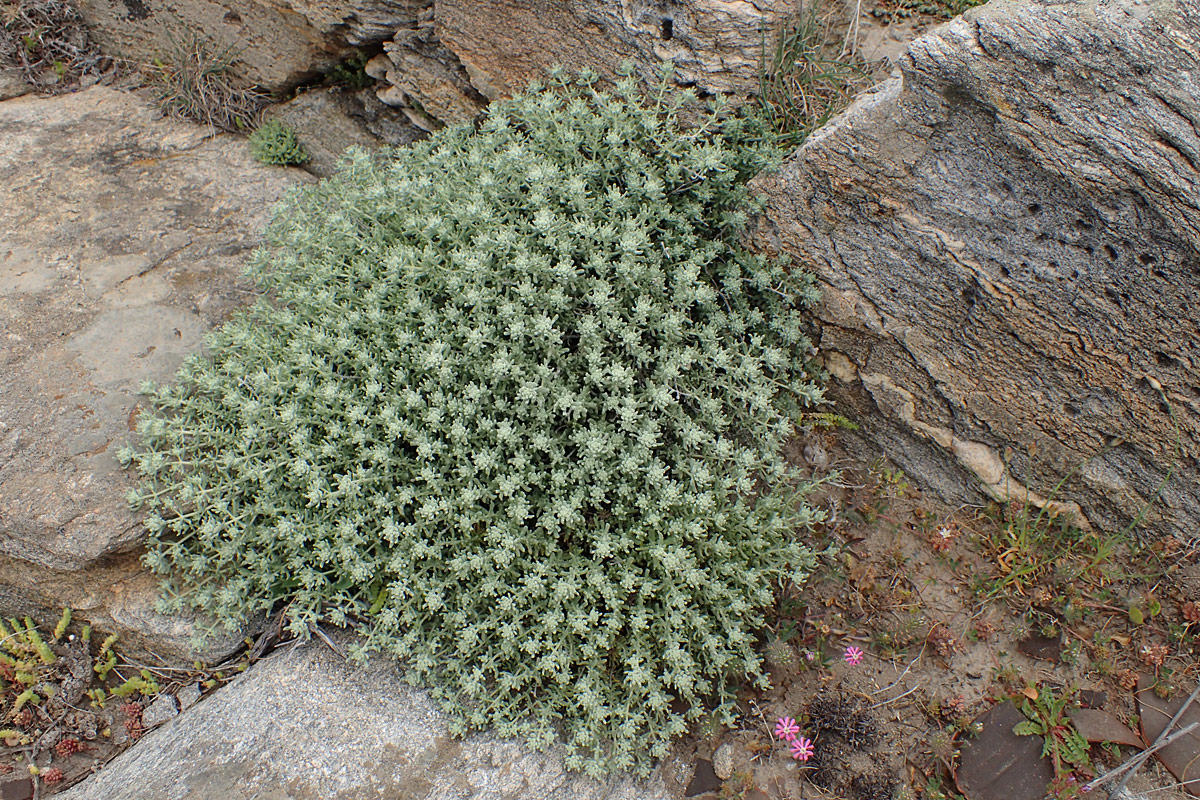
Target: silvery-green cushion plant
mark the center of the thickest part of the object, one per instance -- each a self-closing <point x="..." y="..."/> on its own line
<point x="514" y="400"/>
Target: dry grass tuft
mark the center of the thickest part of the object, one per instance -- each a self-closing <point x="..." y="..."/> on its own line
<point x="811" y="74"/>
<point x="47" y="41"/>
<point x="195" y="83"/>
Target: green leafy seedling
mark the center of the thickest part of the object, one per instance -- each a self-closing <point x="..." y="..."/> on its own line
<point x="1047" y="716"/>
<point x="276" y="143"/>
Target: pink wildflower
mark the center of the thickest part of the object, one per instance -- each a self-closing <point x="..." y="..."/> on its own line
<point x="853" y="656"/>
<point x="786" y="729"/>
<point x="802" y="749"/>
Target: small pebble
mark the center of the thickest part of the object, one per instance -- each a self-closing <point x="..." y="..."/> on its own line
<point x="188" y="695"/>
<point x="162" y="709"/>
<point x="815" y="455"/>
<point x="722" y="761"/>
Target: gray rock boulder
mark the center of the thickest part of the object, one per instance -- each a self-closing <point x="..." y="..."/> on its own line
<point x="122" y="240"/>
<point x="304" y="725"/>
<point x="424" y="78"/>
<point x="1008" y="235"/>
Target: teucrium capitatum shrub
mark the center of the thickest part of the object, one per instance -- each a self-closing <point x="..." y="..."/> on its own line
<point x="516" y="401"/>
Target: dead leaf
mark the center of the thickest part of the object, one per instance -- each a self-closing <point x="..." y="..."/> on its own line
<point x="704" y="779"/>
<point x="1000" y="765"/>
<point x="1045" y="648"/>
<point x="1030" y="692"/>
<point x="1181" y="757"/>
<point x="21" y="789"/>
<point x="1100" y="726"/>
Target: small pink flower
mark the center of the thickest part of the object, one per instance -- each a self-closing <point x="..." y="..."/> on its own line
<point x="786" y="729"/>
<point x="802" y="749"/>
<point x="853" y="655"/>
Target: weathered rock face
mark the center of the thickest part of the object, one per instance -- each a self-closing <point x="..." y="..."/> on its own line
<point x="424" y="78"/>
<point x="122" y="239"/>
<point x="277" y="43"/>
<point x="467" y="52"/>
<point x="1009" y="238"/>
<point x="304" y="725"/>
<point x="329" y="120"/>
<point x="444" y="60"/>
<point x="505" y="44"/>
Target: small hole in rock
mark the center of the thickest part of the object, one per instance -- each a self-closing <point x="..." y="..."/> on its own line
<point x="233" y="18"/>
<point x="1164" y="360"/>
<point x="1146" y="259"/>
<point x="1112" y="252"/>
<point x="1035" y="208"/>
<point x="668" y="28"/>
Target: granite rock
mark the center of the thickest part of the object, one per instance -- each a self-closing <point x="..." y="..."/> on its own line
<point x="715" y="45"/>
<point x="164" y="707"/>
<point x="12" y="84"/>
<point x="458" y="55"/>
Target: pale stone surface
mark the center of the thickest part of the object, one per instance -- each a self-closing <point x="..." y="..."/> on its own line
<point x="304" y="725"/>
<point x="275" y="44"/>
<point x="122" y="240"/>
<point x="722" y="761"/>
<point x="424" y="78"/>
<point x="1008" y="235"/>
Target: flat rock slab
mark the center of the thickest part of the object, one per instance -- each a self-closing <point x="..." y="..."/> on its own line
<point x="1181" y="757"/>
<point x="122" y="242"/>
<point x="305" y="725"/>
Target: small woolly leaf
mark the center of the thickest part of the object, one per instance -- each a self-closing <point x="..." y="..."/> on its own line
<point x="61" y="628"/>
